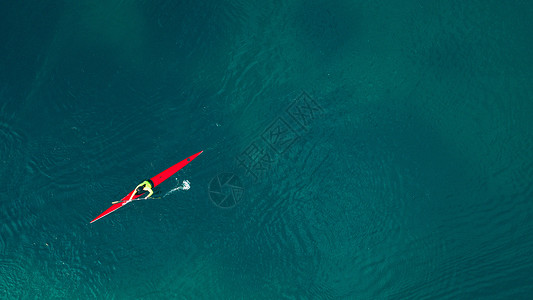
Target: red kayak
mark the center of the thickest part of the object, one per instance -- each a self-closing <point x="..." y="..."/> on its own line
<point x="157" y="179"/>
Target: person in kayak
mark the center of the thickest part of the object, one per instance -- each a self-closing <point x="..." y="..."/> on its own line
<point x="145" y="186"/>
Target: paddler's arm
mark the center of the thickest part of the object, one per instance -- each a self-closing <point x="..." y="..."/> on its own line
<point x="150" y="192"/>
<point x="135" y="191"/>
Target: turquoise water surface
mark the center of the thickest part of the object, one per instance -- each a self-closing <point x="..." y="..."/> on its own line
<point x="352" y="149"/>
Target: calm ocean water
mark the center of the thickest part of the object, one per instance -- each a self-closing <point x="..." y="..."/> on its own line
<point x="352" y="149"/>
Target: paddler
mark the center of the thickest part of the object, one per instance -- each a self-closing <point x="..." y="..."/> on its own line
<point x="145" y="186"/>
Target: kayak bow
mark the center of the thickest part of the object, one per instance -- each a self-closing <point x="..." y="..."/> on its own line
<point x="157" y="179"/>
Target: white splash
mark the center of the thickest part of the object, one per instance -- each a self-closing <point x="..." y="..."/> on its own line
<point x="185" y="185"/>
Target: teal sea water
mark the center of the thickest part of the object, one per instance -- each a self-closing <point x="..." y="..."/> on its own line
<point x="352" y="149"/>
